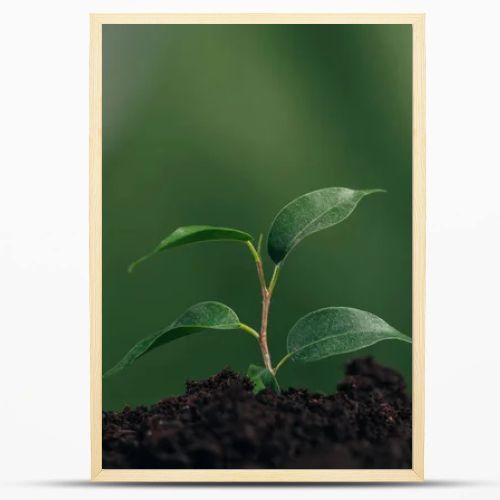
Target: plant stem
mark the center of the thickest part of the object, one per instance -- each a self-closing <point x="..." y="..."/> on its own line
<point x="274" y="278"/>
<point x="266" y="302"/>
<point x="258" y="263"/>
<point x="283" y="360"/>
<point x="249" y="330"/>
<point x="259" y="243"/>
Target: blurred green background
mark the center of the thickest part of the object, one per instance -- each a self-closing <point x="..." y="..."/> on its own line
<point x="223" y="125"/>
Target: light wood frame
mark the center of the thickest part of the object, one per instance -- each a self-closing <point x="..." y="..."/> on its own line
<point x="266" y="475"/>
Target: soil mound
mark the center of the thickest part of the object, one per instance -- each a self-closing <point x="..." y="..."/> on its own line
<point x="220" y="423"/>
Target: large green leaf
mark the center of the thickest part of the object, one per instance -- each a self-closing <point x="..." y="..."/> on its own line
<point x="194" y="234"/>
<point x="202" y="316"/>
<point x="337" y="330"/>
<point x="309" y="214"/>
<point x="262" y="378"/>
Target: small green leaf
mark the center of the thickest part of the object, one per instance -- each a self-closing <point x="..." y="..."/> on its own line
<point x="337" y="330"/>
<point x="262" y="379"/>
<point x="309" y="214"/>
<point x="202" y="316"/>
<point x="194" y="234"/>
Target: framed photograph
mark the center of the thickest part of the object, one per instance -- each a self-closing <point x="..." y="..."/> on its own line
<point x="257" y="247"/>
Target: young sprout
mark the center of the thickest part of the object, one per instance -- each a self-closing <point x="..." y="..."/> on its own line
<point x="320" y="334"/>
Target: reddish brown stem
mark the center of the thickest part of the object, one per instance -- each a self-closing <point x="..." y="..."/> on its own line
<point x="266" y="301"/>
<point x="262" y="278"/>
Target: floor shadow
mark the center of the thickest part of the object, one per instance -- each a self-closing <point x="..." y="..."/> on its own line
<point x="430" y="484"/>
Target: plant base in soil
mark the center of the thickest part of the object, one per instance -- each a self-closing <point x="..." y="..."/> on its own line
<point x="220" y="423"/>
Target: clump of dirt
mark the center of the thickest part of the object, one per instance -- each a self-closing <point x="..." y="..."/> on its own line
<point x="220" y="423"/>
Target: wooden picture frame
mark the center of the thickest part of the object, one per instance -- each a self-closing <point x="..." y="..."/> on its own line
<point x="418" y="226"/>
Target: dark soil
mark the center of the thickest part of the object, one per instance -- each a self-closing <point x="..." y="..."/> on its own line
<point x="220" y="423"/>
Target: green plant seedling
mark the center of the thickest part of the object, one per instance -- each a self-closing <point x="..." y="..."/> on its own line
<point x="319" y="334"/>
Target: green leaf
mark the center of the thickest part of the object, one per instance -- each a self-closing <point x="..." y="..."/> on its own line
<point x="309" y="214"/>
<point x="262" y="379"/>
<point x="337" y="330"/>
<point x="202" y="316"/>
<point x="194" y="234"/>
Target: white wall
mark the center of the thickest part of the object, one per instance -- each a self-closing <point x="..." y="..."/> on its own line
<point x="44" y="409"/>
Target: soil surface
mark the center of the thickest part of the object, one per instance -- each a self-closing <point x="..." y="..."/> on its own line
<point x="220" y="423"/>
